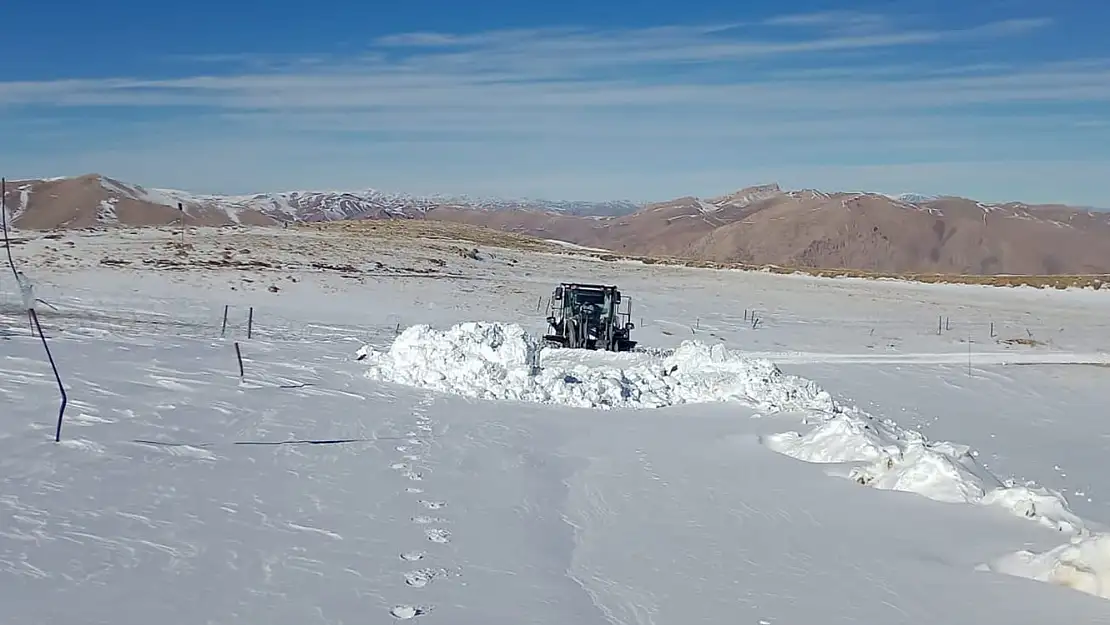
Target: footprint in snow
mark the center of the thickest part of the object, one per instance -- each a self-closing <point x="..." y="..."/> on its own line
<point x="427" y="520"/>
<point x="405" y="612"/>
<point x="413" y="489"/>
<point x="421" y="578"/>
<point x="397" y="466"/>
<point x="433" y="505"/>
<point x="413" y="556"/>
<point x="414" y="475"/>
<point x="437" y="535"/>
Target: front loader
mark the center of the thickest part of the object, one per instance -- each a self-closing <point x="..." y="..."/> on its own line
<point x="588" y="316"/>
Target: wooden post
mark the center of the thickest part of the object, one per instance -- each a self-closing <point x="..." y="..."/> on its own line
<point x="239" y="357"/>
<point x="181" y="209"/>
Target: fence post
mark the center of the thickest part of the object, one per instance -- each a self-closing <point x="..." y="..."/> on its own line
<point x="223" y="327"/>
<point x="239" y="357"/>
<point x="250" y="323"/>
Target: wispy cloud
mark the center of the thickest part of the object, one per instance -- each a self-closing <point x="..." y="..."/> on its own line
<point x="822" y="83"/>
<point x="733" y="63"/>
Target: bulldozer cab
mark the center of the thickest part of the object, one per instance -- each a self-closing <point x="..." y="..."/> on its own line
<point x="593" y="302"/>
<point x="588" y="316"/>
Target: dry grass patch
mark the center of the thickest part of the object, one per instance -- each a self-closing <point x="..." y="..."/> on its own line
<point x="1090" y="281"/>
<point x="1028" y="342"/>
<point x="434" y="230"/>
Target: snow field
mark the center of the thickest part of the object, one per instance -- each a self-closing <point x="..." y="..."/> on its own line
<point x="548" y="514"/>
<point x="499" y="361"/>
<point x="297" y="495"/>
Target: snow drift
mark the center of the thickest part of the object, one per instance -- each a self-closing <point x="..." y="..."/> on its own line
<point x="502" y="361"/>
<point x="488" y="360"/>
<point x="878" y="453"/>
<point x="1082" y="564"/>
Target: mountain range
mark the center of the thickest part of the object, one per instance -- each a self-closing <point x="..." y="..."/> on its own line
<point x="759" y="225"/>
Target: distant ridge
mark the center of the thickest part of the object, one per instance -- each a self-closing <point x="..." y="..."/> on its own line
<point x="762" y="224"/>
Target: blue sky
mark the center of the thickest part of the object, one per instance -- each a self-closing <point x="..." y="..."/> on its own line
<point x="577" y="99"/>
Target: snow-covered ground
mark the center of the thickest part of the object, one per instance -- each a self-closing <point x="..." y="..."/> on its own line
<point x="796" y="450"/>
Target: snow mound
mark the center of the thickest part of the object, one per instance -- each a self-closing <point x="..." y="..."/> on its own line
<point x="1083" y="564"/>
<point x="495" y="361"/>
<point x="840" y="439"/>
<point x="483" y="360"/>
<point x="488" y="360"/>
<point x="880" y="454"/>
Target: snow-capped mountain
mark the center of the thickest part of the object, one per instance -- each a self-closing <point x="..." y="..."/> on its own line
<point x="90" y="200"/>
<point x="368" y="204"/>
<point x="747" y="196"/>
<point x="914" y="198"/>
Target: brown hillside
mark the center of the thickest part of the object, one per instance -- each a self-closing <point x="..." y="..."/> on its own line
<point x="761" y="225"/>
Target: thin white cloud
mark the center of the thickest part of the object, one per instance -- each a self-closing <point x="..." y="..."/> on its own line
<point x="371" y="89"/>
<point x="847" y="21"/>
<point x="531" y="55"/>
<point x="485" y="38"/>
<point x="571" y="67"/>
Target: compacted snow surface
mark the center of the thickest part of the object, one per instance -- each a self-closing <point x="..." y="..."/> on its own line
<point x="454" y="470"/>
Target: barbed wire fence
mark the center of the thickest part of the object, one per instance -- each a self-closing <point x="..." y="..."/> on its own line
<point x="242" y="323"/>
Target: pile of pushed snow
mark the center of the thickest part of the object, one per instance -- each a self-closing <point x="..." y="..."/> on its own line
<point x="489" y="360"/>
<point x="880" y="454"/>
<point x="1083" y="564"/>
<point x="485" y="360"/>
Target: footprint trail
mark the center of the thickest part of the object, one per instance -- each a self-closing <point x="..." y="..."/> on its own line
<point x="412" y="466"/>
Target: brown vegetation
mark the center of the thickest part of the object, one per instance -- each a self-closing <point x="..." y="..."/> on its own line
<point x="454" y="231"/>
